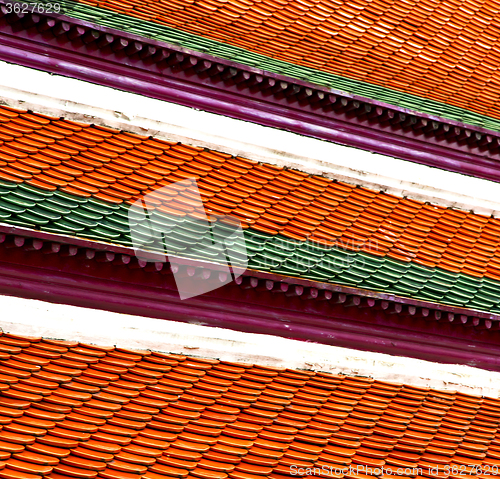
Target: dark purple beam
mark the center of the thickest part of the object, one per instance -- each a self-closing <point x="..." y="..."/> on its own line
<point x="48" y="241"/>
<point x="230" y="307"/>
<point x="334" y="118"/>
<point x="83" y="275"/>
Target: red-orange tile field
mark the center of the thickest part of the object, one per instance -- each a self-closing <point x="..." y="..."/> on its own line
<point x="86" y="161"/>
<point x="71" y="410"/>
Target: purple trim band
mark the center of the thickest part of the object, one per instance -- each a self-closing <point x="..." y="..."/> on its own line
<point x="256" y="279"/>
<point x="33" y="268"/>
<point x="132" y="37"/>
<point x="199" y="81"/>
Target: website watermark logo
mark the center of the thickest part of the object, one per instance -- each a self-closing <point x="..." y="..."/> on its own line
<point x="338" y="471"/>
<point x="171" y="222"/>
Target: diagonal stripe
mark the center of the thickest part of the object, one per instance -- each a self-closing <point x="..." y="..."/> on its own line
<point x="369" y="87"/>
<point x="80" y="180"/>
<point x="62" y="213"/>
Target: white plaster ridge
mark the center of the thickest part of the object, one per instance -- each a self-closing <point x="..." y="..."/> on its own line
<point x="82" y="101"/>
<point x="57" y="321"/>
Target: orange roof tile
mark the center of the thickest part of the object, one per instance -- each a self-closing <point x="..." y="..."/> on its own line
<point x="118" y="168"/>
<point x="71" y="410"/>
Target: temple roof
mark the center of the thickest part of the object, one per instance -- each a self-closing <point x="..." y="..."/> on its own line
<point x="433" y="57"/>
<point x="80" y="180"/>
<point x="72" y="410"/>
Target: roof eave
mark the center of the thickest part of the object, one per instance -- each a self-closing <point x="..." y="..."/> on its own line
<point x="68" y="270"/>
<point x="90" y="52"/>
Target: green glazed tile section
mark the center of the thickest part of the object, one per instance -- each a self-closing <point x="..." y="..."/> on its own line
<point x="58" y="212"/>
<point x="156" y="31"/>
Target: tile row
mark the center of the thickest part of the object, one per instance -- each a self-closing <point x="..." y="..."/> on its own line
<point x="72" y="410"/>
<point x="84" y="161"/>
<point x="438" y="51"/>
<point x="198" y="239"/>
<point x="71" y="178"/>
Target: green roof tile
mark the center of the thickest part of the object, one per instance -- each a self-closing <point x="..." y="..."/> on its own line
<point x="187" y="40"/>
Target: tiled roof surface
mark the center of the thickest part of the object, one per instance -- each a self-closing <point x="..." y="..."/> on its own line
<point x="76" y="179"/>
<point x="441" y="52"/>
<point x="71" y="410"/>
